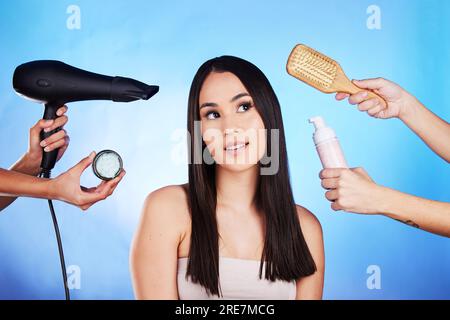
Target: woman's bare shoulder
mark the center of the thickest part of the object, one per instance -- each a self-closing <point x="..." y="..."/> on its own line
<point x="308" y="221"/>
<point x="169" y="195"/>
<point x="168" y="205"/>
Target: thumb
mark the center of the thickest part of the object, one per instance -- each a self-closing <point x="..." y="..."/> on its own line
<point x="361" y="171"/>
<point x="83" y="164"/>
<point x="372" y="84"/>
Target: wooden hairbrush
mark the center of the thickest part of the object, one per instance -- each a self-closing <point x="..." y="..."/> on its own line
<point x="322" y="72"/>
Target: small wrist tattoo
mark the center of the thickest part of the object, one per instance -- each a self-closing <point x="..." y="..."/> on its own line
<point x="410" y="223"/>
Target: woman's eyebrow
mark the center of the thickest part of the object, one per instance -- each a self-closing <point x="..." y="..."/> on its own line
<point x="239" y="95"/>
<point x="213" y="104"/>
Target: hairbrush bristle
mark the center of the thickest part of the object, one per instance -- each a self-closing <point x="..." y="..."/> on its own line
<point x="307" y="64"/>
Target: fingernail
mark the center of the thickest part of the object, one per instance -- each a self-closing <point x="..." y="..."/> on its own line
<point x="43" y="143"/>
<point x="46" y="149"/>
<point x="92" y="154"/>
<point x="47" y="130"/>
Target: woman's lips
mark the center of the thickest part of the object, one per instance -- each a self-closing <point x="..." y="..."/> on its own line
<point x="234" y="148"/>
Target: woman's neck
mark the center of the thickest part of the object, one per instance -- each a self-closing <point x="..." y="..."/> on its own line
<point x="237" y="189"/>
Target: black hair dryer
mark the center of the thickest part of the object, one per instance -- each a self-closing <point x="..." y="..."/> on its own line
<point x="55" y="83"/>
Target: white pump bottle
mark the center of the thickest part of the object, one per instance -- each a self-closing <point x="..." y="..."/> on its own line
<point x="327" y="145"/>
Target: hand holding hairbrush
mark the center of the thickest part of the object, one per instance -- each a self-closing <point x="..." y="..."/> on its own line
<point x="323" y="73"/>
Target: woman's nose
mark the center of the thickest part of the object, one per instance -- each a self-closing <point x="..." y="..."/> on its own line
<point x="231" y="125"/>
<point x="231" y="131"/>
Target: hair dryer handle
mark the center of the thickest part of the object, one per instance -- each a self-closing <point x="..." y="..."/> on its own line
<point x="49" y="158"/>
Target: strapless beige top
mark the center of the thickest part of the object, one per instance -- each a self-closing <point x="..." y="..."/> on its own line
<point x="239" y="280"/>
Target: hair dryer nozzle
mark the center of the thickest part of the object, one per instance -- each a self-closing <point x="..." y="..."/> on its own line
<point x="126" y="90"/>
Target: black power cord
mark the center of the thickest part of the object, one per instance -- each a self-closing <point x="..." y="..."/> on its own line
<point x="46" y="174"/>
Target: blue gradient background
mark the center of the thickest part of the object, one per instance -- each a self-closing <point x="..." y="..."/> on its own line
<point x="164" y="43"/>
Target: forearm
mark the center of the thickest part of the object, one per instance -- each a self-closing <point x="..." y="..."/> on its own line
<point x="23" y="166"/>
<point x="16" y="184"/>
<point x="429" y="215"/>
<point x="434" y="131"/>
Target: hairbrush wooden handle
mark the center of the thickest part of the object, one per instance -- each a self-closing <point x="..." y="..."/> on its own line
<point x="343" y="84"/>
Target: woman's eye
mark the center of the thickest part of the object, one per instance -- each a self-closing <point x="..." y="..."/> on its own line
<point x="244" y="107"/>
<point x="212" y="115"/>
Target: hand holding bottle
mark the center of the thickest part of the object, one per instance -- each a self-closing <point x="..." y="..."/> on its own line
<point x="351" y="190"/>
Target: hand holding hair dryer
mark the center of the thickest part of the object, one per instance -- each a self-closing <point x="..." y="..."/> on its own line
<point x="327" y="145"/>
<point x="55" y="83"/>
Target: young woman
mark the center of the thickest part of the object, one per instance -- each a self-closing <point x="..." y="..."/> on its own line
<point x="353" y="190"/>
<point x="233" y="231"/>
<point x="21" y="181"/>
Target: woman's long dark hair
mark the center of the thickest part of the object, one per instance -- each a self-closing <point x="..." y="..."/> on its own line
<point x="285" y="252"/>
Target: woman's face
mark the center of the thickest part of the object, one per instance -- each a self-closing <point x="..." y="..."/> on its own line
<point x="231" y="126"/>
